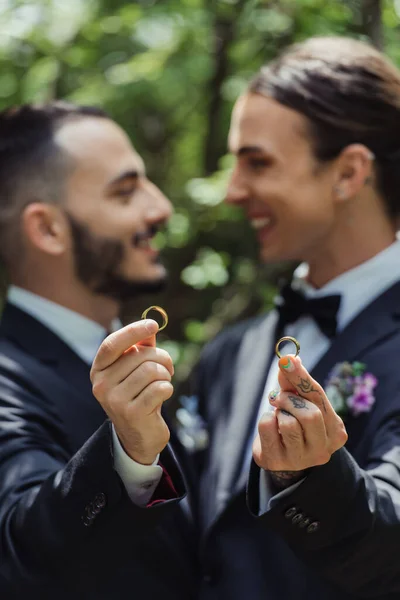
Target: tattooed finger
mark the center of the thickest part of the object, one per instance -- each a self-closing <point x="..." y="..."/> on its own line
<point x="298" y="402"/>
<point x="285" y="412"/>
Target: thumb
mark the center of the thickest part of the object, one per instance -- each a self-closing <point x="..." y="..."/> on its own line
<point x="150" y="341"/>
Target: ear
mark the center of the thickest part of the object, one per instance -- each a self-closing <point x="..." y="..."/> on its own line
<point x="45" y="228"/>
<point x="355" y="170"/>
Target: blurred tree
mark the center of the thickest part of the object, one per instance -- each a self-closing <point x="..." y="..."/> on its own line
<point x="368" y="16"/>
<point x="169" y="72"/>
<point x="372" y="21"/>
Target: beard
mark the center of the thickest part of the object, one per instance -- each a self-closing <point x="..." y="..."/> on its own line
<point x="98" y="261"/>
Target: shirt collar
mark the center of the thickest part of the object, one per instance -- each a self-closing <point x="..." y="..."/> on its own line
<point x="81" y="334"/>
<point x="358" y="287"/>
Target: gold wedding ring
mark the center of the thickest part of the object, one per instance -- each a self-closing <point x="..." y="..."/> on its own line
<point x="287" y="338"/>
<point x="162" y="313"/>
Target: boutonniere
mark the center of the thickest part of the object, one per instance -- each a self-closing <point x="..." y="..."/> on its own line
<point x="350" y="389"/>
<point x="191" y="427"/>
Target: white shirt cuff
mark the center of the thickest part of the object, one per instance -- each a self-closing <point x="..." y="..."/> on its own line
<point x="266" y="500"/>
<point x="140" y="481"/>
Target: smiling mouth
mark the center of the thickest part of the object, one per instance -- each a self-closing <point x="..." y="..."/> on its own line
<point x="143" y="239"/>
<point x="260" y="222"/>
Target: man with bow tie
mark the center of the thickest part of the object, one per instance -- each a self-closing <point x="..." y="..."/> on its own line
<point x="317" y="157"/>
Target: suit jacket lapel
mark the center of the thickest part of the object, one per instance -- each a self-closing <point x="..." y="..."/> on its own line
<point x="65" y="374"/>
<point x="250" y="372"/>
<point x="38" y="341"/>
<point x="377" y="321"/>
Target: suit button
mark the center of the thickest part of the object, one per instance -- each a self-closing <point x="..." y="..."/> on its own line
<point x="100" y="501"/>
<point x="297" y="518"/>
<point x="304" y="523"/>
<point x="91" y="512"/>
<point x="290" y="512"/>
<point x="87" y="521"/>
<point x="313" y="527"/>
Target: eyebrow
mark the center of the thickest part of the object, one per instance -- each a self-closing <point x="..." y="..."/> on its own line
<point x="125" y="176"/>
<point x="249" y="149"/>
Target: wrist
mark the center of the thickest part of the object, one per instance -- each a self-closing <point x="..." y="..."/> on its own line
<point x="139" y="456"/>
<point x="284" y="479"/>
<point x="147" y="460"/>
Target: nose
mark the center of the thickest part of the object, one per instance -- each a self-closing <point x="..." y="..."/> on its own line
<point x="237" y="191"/>
<point x="158" y="207"/>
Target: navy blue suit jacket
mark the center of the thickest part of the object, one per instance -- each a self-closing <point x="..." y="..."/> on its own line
<point x="67" y="527"/>
<point x="354" y="500"/>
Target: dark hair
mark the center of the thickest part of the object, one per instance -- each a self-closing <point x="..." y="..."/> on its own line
<point x="350" y="93"/>
<point x="32" y="166"/>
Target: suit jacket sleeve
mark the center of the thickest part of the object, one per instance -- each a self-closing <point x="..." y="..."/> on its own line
<point x="344" y="520"/>
<point x="56" y="510"/>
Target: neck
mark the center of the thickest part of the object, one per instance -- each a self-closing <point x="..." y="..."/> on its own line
<point x="347" y="248"/>
<point x="72" y="295"/>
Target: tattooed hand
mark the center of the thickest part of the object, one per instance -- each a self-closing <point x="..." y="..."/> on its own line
<point x="303" y="431"/>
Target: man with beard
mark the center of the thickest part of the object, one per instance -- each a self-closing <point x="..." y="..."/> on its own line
<point x="78" y="516"/>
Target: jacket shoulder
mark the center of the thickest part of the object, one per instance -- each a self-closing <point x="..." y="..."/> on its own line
<point x="16" y="365"/>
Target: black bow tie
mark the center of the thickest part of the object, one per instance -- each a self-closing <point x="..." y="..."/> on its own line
<point x="292" y="305"/>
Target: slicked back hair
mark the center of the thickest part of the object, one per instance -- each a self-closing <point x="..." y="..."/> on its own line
<point x="33" y="168"/>
<point x="350" y="93"/>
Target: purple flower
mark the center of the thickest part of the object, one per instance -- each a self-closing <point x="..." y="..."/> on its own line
<point x="351" y="389"/>
<point x="361" y="400"/>
<point x="370" y="381"/>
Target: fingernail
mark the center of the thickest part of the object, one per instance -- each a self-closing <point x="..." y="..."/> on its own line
<point x="287" y="363"/>
<point x="272" y="395"/>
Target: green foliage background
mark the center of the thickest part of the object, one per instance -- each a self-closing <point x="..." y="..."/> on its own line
<point x="169" y="72"/>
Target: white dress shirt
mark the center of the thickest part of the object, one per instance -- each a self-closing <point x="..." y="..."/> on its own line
<point x="84" y="337"/>
<point x="358" y="287"/>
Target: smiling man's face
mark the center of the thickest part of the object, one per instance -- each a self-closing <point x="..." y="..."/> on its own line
<point x="114" y="211"/>
<point x="286" y="194"/>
